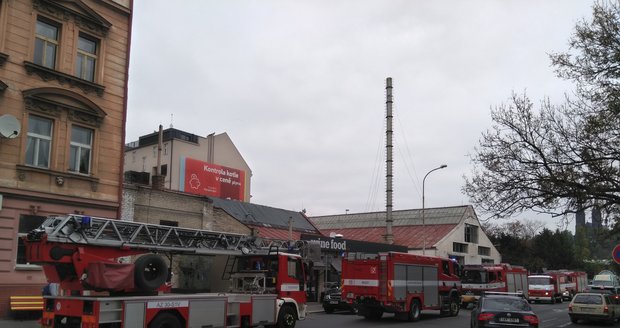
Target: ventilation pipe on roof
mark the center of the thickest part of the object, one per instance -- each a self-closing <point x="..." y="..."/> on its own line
<point x="158" y="178"/>
<point x="389" y="237"/>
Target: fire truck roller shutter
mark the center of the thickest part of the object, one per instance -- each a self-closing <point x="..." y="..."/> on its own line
<point x="151" y="272"/>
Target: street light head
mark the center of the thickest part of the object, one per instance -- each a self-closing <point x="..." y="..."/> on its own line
<point x="443" y="166"/>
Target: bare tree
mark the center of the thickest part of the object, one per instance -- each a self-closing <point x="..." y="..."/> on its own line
<point x="558" y="159"/>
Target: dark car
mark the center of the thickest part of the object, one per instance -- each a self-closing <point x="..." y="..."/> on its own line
<point x="503" y="309"/>
<point x="333" y="301"/>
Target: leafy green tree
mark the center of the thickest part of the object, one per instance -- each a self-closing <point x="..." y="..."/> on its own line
<point x="582" y="246"/>
<point x="555" y="249"/>
<point x="558" y="159"/>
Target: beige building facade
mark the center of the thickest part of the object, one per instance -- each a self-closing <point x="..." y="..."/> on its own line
<point x="177" y="149"/>
<point x="63" y="87"/>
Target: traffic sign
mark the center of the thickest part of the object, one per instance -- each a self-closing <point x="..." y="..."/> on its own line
<point x="616" y="254"/>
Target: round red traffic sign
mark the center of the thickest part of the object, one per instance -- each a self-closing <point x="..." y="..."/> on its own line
<point x="616" y="254"/>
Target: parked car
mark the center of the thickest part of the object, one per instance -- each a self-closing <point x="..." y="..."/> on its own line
<point x="613" y="292"/>
<point x="333" y="301"/>
<point x="503" y="310"/>
<point x="594" y="307"/>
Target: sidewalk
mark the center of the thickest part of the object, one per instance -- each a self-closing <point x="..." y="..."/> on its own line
<point x="313" y="307"/>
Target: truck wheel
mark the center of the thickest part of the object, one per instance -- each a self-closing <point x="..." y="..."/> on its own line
<point x="414" y="311"/>
<point x="286" y="318"/>
<point x="454" y="307"/>
<point x="151" y="272"/>
<point x="328" y="310"/>
<point x="165" y="320"/>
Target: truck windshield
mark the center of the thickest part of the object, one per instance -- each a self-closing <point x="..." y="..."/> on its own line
<point x="539" y="281"/>
<point x="475" y="276"/>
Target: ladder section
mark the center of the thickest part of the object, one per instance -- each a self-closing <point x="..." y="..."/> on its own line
<point x="79" y="229"/>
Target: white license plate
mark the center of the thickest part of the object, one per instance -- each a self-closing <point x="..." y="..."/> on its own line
<point x="511" y="320"/>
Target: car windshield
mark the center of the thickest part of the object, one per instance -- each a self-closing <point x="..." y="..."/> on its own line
<point x="588" y="299"/>
<point x="506" y="304"/>
<point x="474" y="276"/>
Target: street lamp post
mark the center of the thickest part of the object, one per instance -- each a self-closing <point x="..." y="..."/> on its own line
<point x="443" y="166"/>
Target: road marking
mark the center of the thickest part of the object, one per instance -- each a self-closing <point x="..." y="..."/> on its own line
<point x="564" y="325"/>
<point x="550" y="320"/>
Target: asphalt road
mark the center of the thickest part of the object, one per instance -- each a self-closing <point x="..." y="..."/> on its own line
<point x="551" y="315"/>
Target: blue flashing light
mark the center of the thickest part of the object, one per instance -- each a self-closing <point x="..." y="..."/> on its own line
<point x="86" y="220"/>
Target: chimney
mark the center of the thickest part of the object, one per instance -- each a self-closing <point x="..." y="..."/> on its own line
<point x="389" y="237"/>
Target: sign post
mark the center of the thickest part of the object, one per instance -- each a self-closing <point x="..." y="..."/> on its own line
<point x="616" y="254"/>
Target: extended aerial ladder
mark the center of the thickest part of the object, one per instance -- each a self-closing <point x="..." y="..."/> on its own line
<point x="73" y="246"/>
<point x="83" y="254"/>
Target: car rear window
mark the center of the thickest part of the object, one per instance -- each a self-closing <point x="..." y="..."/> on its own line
<point x="506" y="304"/>
<point x="588" y="299"/>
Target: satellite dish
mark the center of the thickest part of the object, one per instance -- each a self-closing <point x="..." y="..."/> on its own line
<point x="9" y="126"/>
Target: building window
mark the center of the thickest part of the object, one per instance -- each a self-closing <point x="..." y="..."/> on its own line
<point x="46" y="44"/>
<point x="169" y="223"/>
<point x="459" y="247"/>
<point x="489" y="261"/>
<point x="27" y="223"/>
<point x="86" y="60"/>
<point x="484" y="250"/>
<point x="471" y="233"/>
<point x="81" y="145"/>
<point x="39" y="141"/>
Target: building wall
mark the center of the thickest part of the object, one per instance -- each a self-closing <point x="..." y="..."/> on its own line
<point x="444" y="247"/>
<point x="58" y="95"/>
<point x="222" y="152"/>
<point x="143" y="204"/>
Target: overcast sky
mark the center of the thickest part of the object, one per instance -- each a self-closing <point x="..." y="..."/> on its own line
<point x="299" y="86"/>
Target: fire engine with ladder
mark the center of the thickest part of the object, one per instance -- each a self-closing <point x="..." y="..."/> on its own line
<point x="264" y="278"/>
<point x="501" y="277"/>
<point x="400" y="283"/>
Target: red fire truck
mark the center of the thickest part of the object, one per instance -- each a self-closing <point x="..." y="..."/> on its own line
<point x="400" y="283"/>
<point x="501" y="277"/>
<point x="263" y="284"/>
<point x="548" y="286"/>
<point x="570" y="282"/>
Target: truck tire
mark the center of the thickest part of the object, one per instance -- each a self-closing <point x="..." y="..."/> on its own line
<point x="328" y="310"/>
<point x="414" y="311"/>
<point x="454" y="307"/>
<point x="286" y="318"/>
<point x="165" y="320"/>
<point x="151" y="272"/>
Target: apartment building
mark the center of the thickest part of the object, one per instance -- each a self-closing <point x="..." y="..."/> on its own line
<point x="63" y="91"/>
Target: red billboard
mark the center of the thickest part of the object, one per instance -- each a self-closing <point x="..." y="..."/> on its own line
<point x="209" y="179"/>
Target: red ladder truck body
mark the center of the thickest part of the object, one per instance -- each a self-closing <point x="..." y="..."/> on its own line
<point x="264" y="284"/>
<point x="502" y="277"/>
<point x="400" y="283"/>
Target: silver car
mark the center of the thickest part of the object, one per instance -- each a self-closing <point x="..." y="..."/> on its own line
<point x="594" y="307"/>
